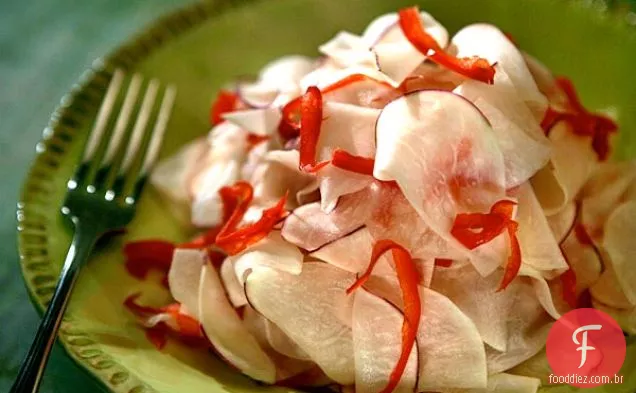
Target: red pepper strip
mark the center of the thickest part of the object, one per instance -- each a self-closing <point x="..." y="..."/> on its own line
<point x="142" y="256"/>
<point x="310" y="122"/>
<point x="347" y="161"/>
<point x="472" y="67"/>
<point x="514" y="260"/>
<point x="408" y="277"/>
<point x="236" y="199"/>
<point x="225" y="102"/>
<point x="353" y="78"/>
<point x="254" y="140"/>
<point x="568" y="284"/>
<point x="443" y="262"/>
<point x="233" y="242"/>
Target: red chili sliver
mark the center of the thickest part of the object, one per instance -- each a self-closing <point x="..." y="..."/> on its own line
<point x="236" y="199"/>
<point x="225" y="102"/>
<point x="310" y="122"/>
<point x="568" y="285"/>
<point x="344" y="160"/>
<point x="145" y="255"/>
<point x="514" y="260"/>
<point x="472" y="67"/>
<point x="353" y="78"/>
<point x="233" y="242"/>
<point x="443" y="262"/>
<point x="254" y="140"/>
<point x="408" y="278"/>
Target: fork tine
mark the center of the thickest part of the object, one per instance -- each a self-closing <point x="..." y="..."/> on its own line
<point x="123" y="119"/>
<point x="103" y="115"/>
<point x="140" y="126"/>
<point x="159" y="130"/>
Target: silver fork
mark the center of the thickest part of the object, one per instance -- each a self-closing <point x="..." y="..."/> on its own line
<point x="101" y="197"/>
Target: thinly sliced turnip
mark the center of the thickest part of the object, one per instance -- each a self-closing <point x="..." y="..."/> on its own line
<point x="385" y="29"/>
<point x="535" y="367"/>
<point x="273" y="252"/>
<point x="348" y="49"/>
<point x="309" y="227"/>
<point x="360" y="90"/>
<point x="256" y="95"/>
<point x="544" y="80"/>
<point x="352" y="129"/>
<point x="528" y="327"/>
<point x="505" y="383"/>
<point x="607" y="290"/>
<point x="513" y="125"/>
<point x="278" y="175"/>
<point x="184" y="277"/>
<point x="313" y="309"/>
<point x="619" y="244"/>
<point x="542" y="290"/>
<point x="377" y="345"/>
<point x="207" y="206"/>
<point x="604" y="191"/>
<point x="257" y="121"/>
<point x="281" y="342"/>
<point x="548" y="191"/>
<point x="626" y="318"/>
<point x="562" y="223"/>
<point x="227" y="142"/>
<point x="227" y="333"/>
<point x="539" y="248"/>
<point x="286" y="72"/>
<point x="451" y="352"/>
<point x="583" y="259"/>
<point x="233" y="288"/>
<point x="323" y="78"/>
<point x="442" y="174"/>
<point x="488" y="42"/>
<point x="477" y="297"/>
<point x="430" y="76"/>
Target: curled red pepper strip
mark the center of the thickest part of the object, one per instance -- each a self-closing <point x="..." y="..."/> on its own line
<point x="145" y="255"/>
<point x="568" y="285"/>
<point x="233" y="242"/>
<point x="353" y="78"/>
<point x="475" y="229"/>
<point x="443" y="262"/>
<point x="347" y="161"/>
<point x="310" y="122"/>
<point x="225" y="102"/>
<point x="472" y="67"/>
<point x="254" y="140"/>
<point x="236" y="199"/>
<point x="408" y="278"/>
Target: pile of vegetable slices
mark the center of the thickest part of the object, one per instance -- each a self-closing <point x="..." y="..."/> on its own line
<point x="407" y="212"/>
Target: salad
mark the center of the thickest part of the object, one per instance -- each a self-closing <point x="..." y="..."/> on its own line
<point x="407" y="212"/>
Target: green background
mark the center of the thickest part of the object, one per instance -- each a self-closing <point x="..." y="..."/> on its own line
<point x="44" y="47"/>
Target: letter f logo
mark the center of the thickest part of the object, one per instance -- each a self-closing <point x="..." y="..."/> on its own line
<point x="583" y="344"/>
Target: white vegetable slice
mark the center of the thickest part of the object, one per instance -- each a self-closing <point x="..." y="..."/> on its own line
<point x="476" y="296"/>
<point x="583" y="259"/>
<point x="336" y="182"/>
<point x="513" y="125"/>
<point x="539" y="248"/>
<point x="607" y="290"/>
<point x="184" y="277"/>
<point x="377" y="344"/>
<point x="277" y="175"/>
<point x="233" y="288"/>
<point x="309" y="227"/>
<point x="272" y="251"/>
<point x="626" y="318"/>
<point x="505" y="383"/>
<point x="257" y="121"/>
<point x="281" y="342"/>
<point x="561" y="224"/>
<point x="313" y="309"/>
<point x="398" y="59"/>
<point x="329" y="75"/>
<point x="285" y="73"/>
<point x="347" y="49"/>
<point x="442" y="174"/>
<point x="535" y="367"/>
<point x="227" y="333"/>
<point x="542" y="290"/>
<point x="451" y="352"/>
<point x="620" y="247"/>
<point x="171" y="176"/>
<point x="488" y="42"/>
<point x="207" y="206"/>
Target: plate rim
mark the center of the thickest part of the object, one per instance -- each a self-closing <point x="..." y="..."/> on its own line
<point x="84" y="96"/>
<point x="38" y="273"/>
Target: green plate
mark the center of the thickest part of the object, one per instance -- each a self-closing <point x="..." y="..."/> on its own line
<point x="200" y="48"/>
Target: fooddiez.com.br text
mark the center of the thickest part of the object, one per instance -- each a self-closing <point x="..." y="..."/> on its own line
<point x="585" y="379"/>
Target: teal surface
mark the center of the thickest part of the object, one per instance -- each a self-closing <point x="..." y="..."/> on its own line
<point x="44" y="47"/>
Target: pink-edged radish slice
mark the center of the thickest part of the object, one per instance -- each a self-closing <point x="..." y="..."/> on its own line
<point x="377" y="345"/>
<point x="281" y="343"/>
<point x="476" y="296"/>
<point x="227" y="333"/>
<point x="605" y="190"/>
<point x="619" y="245"/>
<point x="347" y="49"/>
<point x="233" y="288"/>
<point x="184" y="277"/>
<point x="505" y="383"/>
<point x="584" y="261"/>
<point x="256" y="121"/>
<point x="441" y="174"/>
<point x="488" y="42"/>
<point x="273" y="252"/>
<point x="451" y="352"/>
<point x="608" y="290"/>
<point x="385" y="29"/>
<point x="278" y="175"/>
<point x="513" y="125"/>
<point x="567" y="148"/>
<point x="310" y="228"/>
<point x="562" y="223"/>
<point x="626" y="318"/>
<point x="539" y="248"/>
<point x="313" y="309"/>
<point x="352" y="253"/>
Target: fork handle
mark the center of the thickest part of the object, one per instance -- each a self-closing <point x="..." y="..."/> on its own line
<point x="32" y="368"/>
